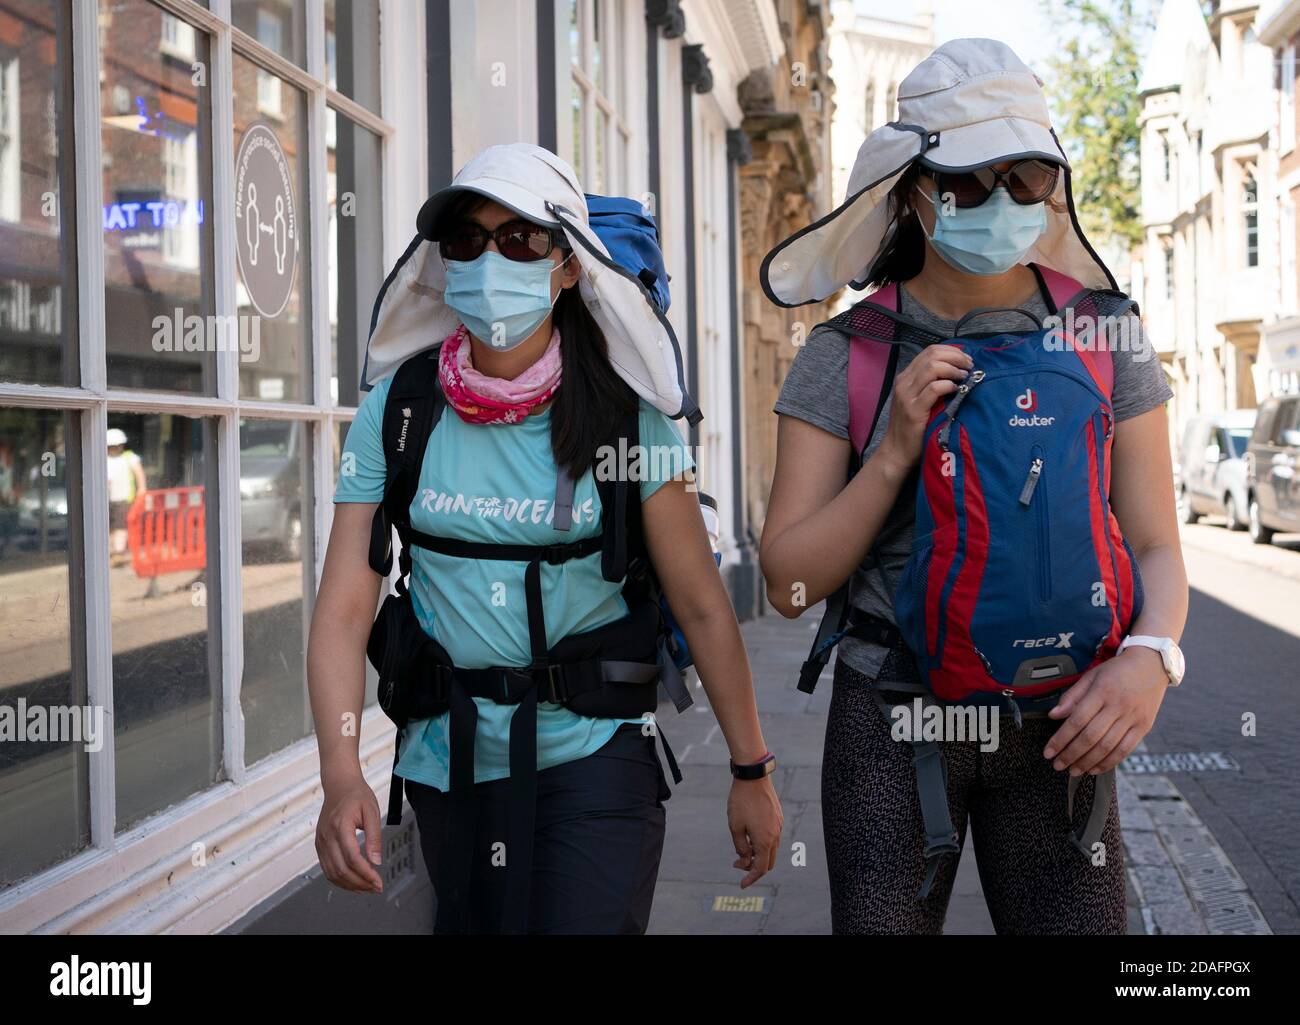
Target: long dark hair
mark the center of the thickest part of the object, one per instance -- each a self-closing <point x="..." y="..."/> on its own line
<point x="592" y="398"/>
<point x="904" y="254"/>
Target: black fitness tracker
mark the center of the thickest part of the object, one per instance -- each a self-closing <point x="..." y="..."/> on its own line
<point x="765" y="766"/>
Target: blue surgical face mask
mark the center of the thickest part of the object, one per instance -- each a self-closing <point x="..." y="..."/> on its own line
<point x="501" y="301"/>
<point x="990" y="238"/>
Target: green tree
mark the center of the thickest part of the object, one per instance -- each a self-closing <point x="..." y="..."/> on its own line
<point x="1092" y="86"/>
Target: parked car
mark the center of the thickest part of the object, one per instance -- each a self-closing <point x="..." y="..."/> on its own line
<point x="270" y="486"/>
<point x="1272" y="465"/>
<point x="1212" y="467"/>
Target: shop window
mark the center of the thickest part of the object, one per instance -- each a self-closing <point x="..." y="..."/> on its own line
<point x="275" y="499"/>
<point x="42" y="776"/>
<point x="177" y="38"/>
<point x="38" y="293"/>
<point x="269" y="35"/>
<point x="157" y="229"/>
<point x="163" y="517"/>
<point x="271" y="241"/>
<point x="352" y="50"/>
<point x="356" y="258"/>
<point x="232" y="447"/>
<point x="279" y="25"/>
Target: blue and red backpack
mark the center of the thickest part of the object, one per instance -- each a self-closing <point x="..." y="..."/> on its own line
<point x="1019" y="578"/>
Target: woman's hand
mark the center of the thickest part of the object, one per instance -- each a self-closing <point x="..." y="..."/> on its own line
<point x="1107" y="712"/>
<point x="936" y="372"/>
<point x="755" y="819"/>
<point x="349" y="805"/>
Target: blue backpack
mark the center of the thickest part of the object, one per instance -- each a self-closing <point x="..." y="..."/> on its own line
<point x="632" y="238"/>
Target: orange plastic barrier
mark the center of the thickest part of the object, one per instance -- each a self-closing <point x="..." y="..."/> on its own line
<point x="164" y="531"/>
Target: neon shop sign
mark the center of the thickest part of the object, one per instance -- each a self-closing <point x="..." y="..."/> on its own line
<point x="153" y="213"/>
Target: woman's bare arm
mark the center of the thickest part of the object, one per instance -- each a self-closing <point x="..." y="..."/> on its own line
<point x="680" y="553"/>
<point x="336" y="683"/>
<point x="817" y="529"/>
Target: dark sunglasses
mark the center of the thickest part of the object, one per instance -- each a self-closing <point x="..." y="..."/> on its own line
<point x="516" y="240"/>
<point x="1028" y="181"/>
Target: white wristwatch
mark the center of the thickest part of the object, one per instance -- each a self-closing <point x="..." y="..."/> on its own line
<point x="1170" y="654"/>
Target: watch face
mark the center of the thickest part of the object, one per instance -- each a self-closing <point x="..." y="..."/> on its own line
<point x="1176" y="663"/>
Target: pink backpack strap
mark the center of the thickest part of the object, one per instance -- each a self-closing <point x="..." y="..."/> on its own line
<point x="1097" y="359"/>
<point x="1061" y="287"/>
<point x="868" y="364"/>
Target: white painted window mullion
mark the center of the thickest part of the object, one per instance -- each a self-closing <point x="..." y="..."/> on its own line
<point x="94" y="420"/>
<point x="229" y="529"/>
<point x="318" y="208"/>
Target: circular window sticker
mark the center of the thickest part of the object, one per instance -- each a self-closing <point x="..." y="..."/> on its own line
<point x="266" y="228"/>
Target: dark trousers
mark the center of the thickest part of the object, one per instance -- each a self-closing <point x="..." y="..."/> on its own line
<point x="1034" y="881"/>
<point x="596" y="849"/>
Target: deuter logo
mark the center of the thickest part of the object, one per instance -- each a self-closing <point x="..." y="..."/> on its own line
<point x="1029" y="402"/>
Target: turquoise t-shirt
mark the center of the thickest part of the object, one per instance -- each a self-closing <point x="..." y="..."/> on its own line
<point x="495" y="483"/>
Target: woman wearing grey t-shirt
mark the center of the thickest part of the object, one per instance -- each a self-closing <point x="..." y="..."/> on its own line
<point x="953" y="203"/>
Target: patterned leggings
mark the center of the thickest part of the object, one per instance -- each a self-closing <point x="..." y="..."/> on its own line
<point x="1034" y="880"/>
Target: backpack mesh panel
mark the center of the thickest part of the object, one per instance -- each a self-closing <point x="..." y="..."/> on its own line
<point x="867" y="320"/>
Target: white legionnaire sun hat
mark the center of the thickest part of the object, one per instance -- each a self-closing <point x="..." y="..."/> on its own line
<point x="411" y="316"/>
<point x="970" y="103"/>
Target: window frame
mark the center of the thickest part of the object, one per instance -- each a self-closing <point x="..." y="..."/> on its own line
<point x="1247" y="182"/>
<point x="610" y="100"/>
<point x="1286" y="93"/>
<point x="111" y="855"/>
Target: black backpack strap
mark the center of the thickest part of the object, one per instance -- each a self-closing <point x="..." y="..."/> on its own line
<point x="864" y="320"/>
<point x="621" y="515"/>
<point x="411" y="411"/>
<point x="931" y="767"/>
<point x="564" y="485"/>
<point x="829" y="633"/>
<point x="624" y="555"/>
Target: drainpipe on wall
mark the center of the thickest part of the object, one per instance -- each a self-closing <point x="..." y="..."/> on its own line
<point x="666" y="17"/>
<point x="547" y="125"/>
<point x="743" y="579"/>
<point x="437" y="38"/>
<point x="696" y="78"/>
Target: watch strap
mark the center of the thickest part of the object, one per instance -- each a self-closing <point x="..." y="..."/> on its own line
<point x="1160" y="645"/>
<point x="765" y="766"/>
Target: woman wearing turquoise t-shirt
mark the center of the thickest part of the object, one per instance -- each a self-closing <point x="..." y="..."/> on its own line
<point x="532" y="769"/>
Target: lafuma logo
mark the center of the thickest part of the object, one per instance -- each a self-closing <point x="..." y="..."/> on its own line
<point x="1029" y="402"/>
<point x="406" y="423"/>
